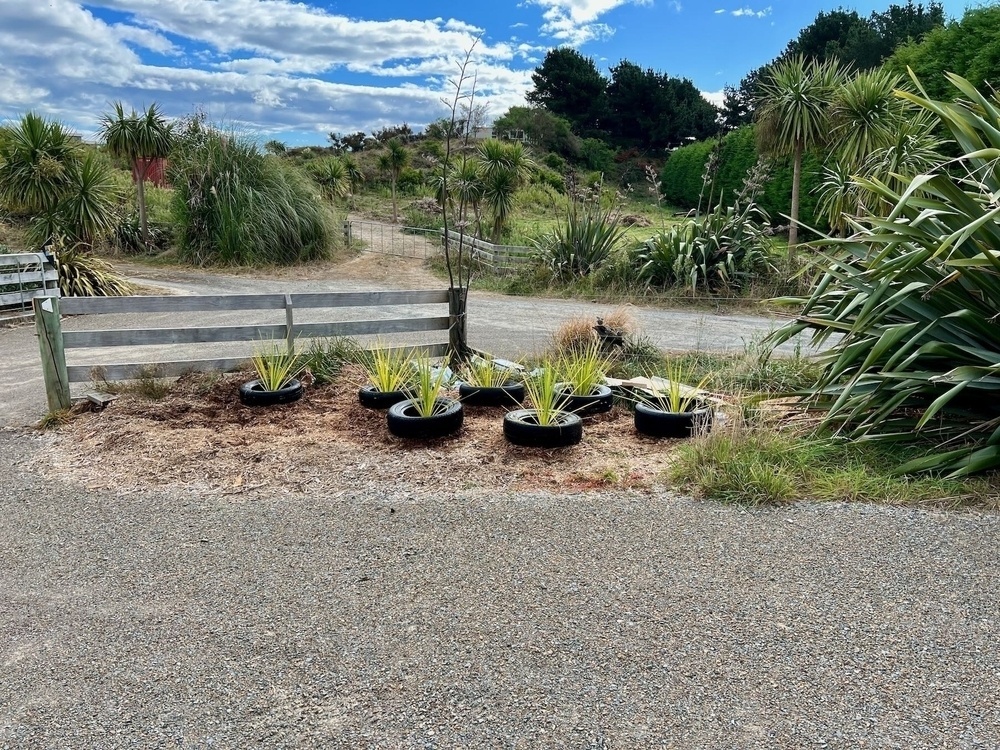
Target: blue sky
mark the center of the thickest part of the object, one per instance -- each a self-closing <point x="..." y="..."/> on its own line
<point x="296" y="70"/>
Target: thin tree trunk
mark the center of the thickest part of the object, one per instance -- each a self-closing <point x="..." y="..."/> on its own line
<point x="793" y="229"/>
<point x="141" y="192"/>
<point x="395" y="218"/>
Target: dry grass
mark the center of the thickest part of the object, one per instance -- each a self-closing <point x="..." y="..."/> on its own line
<point x="575" y="334"/>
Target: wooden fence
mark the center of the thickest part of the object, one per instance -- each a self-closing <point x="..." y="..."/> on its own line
<point x="498" y="257"/>
<point x="53" y="341"/>
<point x="24" y="276"/>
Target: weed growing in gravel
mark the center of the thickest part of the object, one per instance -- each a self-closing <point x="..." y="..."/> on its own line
<point x="758" y="462"/>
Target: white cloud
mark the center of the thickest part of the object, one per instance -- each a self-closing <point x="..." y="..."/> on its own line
<point x="750" y="12"/>
<point x="269" y="65"/>
<point x="720" y="11"/>
<point x="676" y="5"/>
<point x="575" y="21"/>
<point x="715" y="97"/>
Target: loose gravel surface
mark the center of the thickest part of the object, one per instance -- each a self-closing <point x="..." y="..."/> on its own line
<point x="382" y="615"/>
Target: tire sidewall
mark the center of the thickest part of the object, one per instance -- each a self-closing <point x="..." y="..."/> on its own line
<point x="253" y="393"/>
<point x="520" y="429"/>
<point x="373" y="398"/>
<point x="509" y="394"/>
<point x="404" y="423"/>
<point x="655" y="422"/>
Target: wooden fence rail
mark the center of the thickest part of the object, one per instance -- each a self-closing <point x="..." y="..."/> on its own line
<point x="53" y="341"/>
<point x="497" y="256"/>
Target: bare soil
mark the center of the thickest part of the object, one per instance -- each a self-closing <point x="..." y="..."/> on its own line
<point x="201" y="436"/>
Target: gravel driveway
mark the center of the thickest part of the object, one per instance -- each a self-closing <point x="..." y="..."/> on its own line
<point x="374" y="616"/>
<point x="370" y="614"/>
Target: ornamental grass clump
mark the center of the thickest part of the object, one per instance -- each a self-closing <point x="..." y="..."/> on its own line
<point x="237" y="206"/>
<point x="428" y="387"/>
<point x="583" y="369"/>
<point x="482" y="372"/>
<point x="387" y="369"/>
<point x="669" y="392"/>
<point x="276" y="364"/>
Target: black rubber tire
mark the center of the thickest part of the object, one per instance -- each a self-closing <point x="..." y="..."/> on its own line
<point x="373" y="398"/>
<point x="597" y="402"/>
<point x="404" y="422"/>
<point x="252" y="393"/>
<point x="667" y="424"/>
<point x="509" y="394"/>
<point x="520" y="428"/>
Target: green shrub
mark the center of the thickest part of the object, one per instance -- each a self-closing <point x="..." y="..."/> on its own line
<point x="724" y="249"/>
<point x="681" y="177"/>
<point x="236" y="206"/>
<point x="83" y="275"/>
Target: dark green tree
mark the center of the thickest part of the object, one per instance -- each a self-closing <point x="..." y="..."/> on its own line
<point x="546" y="131"/>
<point x="569" y="85"/>
<point x="650" y="110"/>
<point x="969" y="47"/>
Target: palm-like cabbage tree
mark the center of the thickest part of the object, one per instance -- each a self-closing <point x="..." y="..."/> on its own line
<point x="393" y="160"/>
<point x="332" y="176"/>
<point x="503" y="167"/>
<point x="910" y="301"/>
<point x="141" y="138"/>
<point x="792" y="117"/>
<point x="35" y="158"/>
<point x="875" y="133"/>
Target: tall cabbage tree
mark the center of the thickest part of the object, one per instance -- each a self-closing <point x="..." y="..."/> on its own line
<point x="503" y="168"/>
<point x="910" y="303"/>
<point x="141" y="138"/>
<point x="393" y="160"/>
<point x="792" y="117"/>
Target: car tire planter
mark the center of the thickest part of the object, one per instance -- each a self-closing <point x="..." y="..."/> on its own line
<point x="521" y="427"/>
<point x="253" y="393"/>
<point x="599" y="401"/>
<point x="510" y="394"/>
<point x="668" y="424"/>
<point x="373" y="398"/>
<point x="404" y="422"/>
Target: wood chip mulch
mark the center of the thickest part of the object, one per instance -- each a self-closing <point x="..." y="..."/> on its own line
<point x="201" y="436"/>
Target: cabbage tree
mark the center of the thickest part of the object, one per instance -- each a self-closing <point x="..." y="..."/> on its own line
<point x="141" y="138"/>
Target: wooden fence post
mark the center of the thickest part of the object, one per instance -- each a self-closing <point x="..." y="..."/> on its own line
<point x="50" y="346"/>
<point x="289" y="323"/>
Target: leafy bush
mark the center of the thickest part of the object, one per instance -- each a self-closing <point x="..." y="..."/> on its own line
<point x="724" y="249"/>
<point x="236" y="206"/>
<point x="83" y="275"/>
<point x="912" y="300"/>
<point x="681" y="177"/>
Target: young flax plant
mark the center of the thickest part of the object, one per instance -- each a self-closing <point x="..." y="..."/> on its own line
<point x="669" y="392"/>
<point x="388" y="369"/>
<point x="428" y="386"/>
<point x="482" y="372"/>
<point x="546" y="394"/>
<point x="276" y="364"/>
<point x="584" y="369"/>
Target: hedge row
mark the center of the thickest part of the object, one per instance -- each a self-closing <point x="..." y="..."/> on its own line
<point x="681" y="181"/>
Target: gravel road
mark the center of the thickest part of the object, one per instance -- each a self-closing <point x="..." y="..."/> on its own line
<point x="375" y="616"/>
<point x="506" y="326"/>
